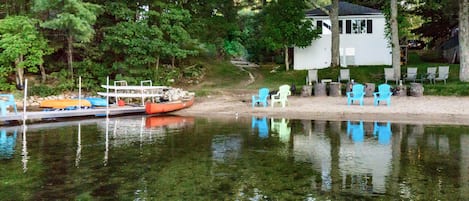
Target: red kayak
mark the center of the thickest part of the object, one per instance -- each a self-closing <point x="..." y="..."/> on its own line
<point x="164" y="107"/>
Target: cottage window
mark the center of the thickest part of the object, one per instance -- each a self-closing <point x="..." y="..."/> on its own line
<point x="341" y="29"/>
<point x="319" y="25"/>
<point x="358" y="26"/>
<point x="369" y="26"/>
<point x="348" y="26"/>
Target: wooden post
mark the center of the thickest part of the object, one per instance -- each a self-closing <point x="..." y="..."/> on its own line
<point x="416" y="89"/>
<point x="306" y="90"/>
<point x="320" y="89"/>
<point x="369" y="89"/>
<point x="334" y="89"/>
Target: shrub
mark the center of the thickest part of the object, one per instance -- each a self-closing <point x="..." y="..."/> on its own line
<point x="42" y="90"/>
<point x="432" y="56"/>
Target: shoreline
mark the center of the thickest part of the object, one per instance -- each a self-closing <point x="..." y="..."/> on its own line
<point x="416" y="110"/>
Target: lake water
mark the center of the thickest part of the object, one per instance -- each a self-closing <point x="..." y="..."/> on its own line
<point x="187" y="158"/>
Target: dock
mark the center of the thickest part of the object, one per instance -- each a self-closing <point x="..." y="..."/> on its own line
<point x="39" y="115"/>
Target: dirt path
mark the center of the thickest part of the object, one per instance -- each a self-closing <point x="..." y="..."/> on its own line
<point x="236" y="89"/>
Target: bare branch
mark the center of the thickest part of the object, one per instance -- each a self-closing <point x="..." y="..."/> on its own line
<point x="320" y="7"/>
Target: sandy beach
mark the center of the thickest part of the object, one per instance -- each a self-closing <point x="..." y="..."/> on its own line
<point x="425" y="110"/>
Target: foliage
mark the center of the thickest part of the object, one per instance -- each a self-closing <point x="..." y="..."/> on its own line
<point x="439" y="18"/>
<point x="284" y="24"/>
<point x="61" y="81"/>
<point x="432" y="56"/>
<point x="138" y="43"/>
<point x="213" y="22"/>
<point x="173" y="22"/>
<point x="42" y="91"/>
<point x="73" y="18"/>
<point x="142" y="42"/>
<point x="251" y="37"/>
<point x="234" y="49"/>
<point x="92" y="74"/>
<point x="23" y="47"/>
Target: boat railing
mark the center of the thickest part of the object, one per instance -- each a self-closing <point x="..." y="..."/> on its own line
<point x="120" y="82"/>
<point x="146" y="81"/>
<point x="144" y="91"/>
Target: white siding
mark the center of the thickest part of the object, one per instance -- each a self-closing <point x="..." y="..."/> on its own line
<point x="370" y="49"/>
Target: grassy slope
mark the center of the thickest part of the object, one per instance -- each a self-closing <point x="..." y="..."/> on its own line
<point x="224" y="77"/>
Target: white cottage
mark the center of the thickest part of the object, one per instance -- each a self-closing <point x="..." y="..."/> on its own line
<point x="362" y="39"/>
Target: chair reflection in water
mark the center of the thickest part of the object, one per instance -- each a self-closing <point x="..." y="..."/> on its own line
<point x="261" y="125"/>
<point x="281" y="127"/>
<point x="7" y="144"/>
<point x="356" y="130"/>
<point x="383" y="132"/>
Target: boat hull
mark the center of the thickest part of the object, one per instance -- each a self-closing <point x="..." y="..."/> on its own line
<point x="158" y="108"/>
<point x="64" y="103"/>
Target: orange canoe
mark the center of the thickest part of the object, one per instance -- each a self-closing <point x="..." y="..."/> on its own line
<point x="157" y="121"/>
<point x="64" y="103"/>
<point x="164" y="107"/>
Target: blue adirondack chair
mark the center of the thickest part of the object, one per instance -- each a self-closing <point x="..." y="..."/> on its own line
<point x="7" y="100"/>
<point x="383" y="132"/>
<point x="384" y="94"/>
<point x="261" y="125"/>
<point x="357" y="93"/>
<point x="356" y="130"/>
<point x="282" y="95"/>
<point x="261" y="97"/>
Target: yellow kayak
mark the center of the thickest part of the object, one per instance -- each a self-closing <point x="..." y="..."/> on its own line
<point x="65" y="103"/>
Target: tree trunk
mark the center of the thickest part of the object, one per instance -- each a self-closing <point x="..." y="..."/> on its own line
<point x="70" y="55"/>
<point x="19" y="72"/>
<point x="173" y="60"/>
<point x="287" y="64"/>
<point x="335" y="39"/>
<point x="43" y="73"/>
<point x="157" y="63"/>
<point x="396" y="51"/>
<point x="464" y="40"/>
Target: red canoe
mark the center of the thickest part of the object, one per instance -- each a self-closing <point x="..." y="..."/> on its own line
<point x="158" y="108"/>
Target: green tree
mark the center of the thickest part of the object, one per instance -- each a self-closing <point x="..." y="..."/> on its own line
<point x="284" y="26"/>
<point x="72" y="17"/>
<point x="177" y="41"/>
<point x="213" y="23"/>
<point x="22" y="46"/>
<point x="439" y="19"/>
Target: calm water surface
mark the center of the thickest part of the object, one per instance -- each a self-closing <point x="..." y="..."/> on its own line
<point x="186" y="158"/>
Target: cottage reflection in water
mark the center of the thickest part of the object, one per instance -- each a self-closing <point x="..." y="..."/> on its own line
<point x="362" y="160"/>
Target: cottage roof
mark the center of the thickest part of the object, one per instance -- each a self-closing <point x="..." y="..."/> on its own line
<point x="346" y="8"/>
